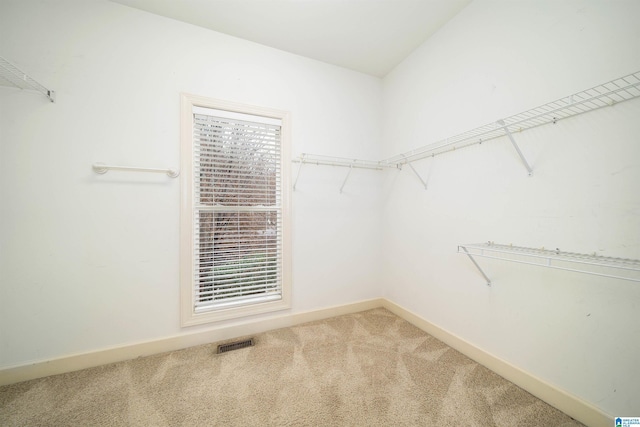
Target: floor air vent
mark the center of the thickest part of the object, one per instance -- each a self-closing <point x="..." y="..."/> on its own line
<point x="236" y="345"/>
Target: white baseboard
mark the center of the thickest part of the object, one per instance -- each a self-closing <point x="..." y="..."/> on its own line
<point x="105" y="356"/>
<point x="567" y="403"/>
<point x="571" y="405"/>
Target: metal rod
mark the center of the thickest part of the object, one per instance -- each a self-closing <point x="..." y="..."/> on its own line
<point x="476" y="264"/>
<point x="346" y="178"/>
<point x="101" y="168"/>
<point x="513" y="141"/>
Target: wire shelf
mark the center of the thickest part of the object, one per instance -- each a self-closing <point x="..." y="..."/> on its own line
<point x="617" y="268"/>
<point x="314" y="159"/>
<point x="12" y="76"/>
<point x="604" y="95"/>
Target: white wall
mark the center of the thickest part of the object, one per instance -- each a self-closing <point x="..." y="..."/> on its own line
<point x="91" y="261"/>
<point x="495" y="59"/>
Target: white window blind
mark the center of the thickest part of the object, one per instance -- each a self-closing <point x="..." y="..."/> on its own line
<point x="237" y="210"/>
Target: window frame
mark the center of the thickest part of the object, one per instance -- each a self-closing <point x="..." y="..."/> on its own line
<point x="189" y="317"/>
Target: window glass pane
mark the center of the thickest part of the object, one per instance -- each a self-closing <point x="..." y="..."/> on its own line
<point x="239" y="255"/>
<point x="238" y="227"/>
<point x="236" y="163"/>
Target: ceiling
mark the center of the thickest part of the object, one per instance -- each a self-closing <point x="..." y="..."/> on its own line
<point x="370" y="36"/>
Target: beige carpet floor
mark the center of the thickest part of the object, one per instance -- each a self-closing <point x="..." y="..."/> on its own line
<point x="365" y="369"/>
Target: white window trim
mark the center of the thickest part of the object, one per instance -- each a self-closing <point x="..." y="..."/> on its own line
<point x="188" y="315"/>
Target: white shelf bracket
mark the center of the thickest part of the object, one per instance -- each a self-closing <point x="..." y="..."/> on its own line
<point x="299" y="170"/>
<point x="346" y="178"/>
<point x="513" y="141"/>
<point x="424" y="182"/>
<point x="475" y="263"/>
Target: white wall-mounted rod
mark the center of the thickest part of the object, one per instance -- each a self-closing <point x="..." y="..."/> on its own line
<point x="10" y="75"/>
<point x="101" y="168"/>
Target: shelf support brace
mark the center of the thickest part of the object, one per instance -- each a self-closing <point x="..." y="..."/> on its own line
<point x="298" y="174"/>
<point x="476" y="264"/>
<point x="424" y="183"/>
<point x="418" y="175"/>
<point x="346" y="178"/>
<point x="513" y="141"/>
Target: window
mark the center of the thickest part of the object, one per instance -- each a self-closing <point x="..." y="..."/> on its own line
<point x="235" y="256"/>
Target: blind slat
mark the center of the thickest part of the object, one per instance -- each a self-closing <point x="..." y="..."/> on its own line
<point x="238" y="212"/>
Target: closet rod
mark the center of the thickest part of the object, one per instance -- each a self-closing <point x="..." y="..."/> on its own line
<point x="101" y="168"/>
